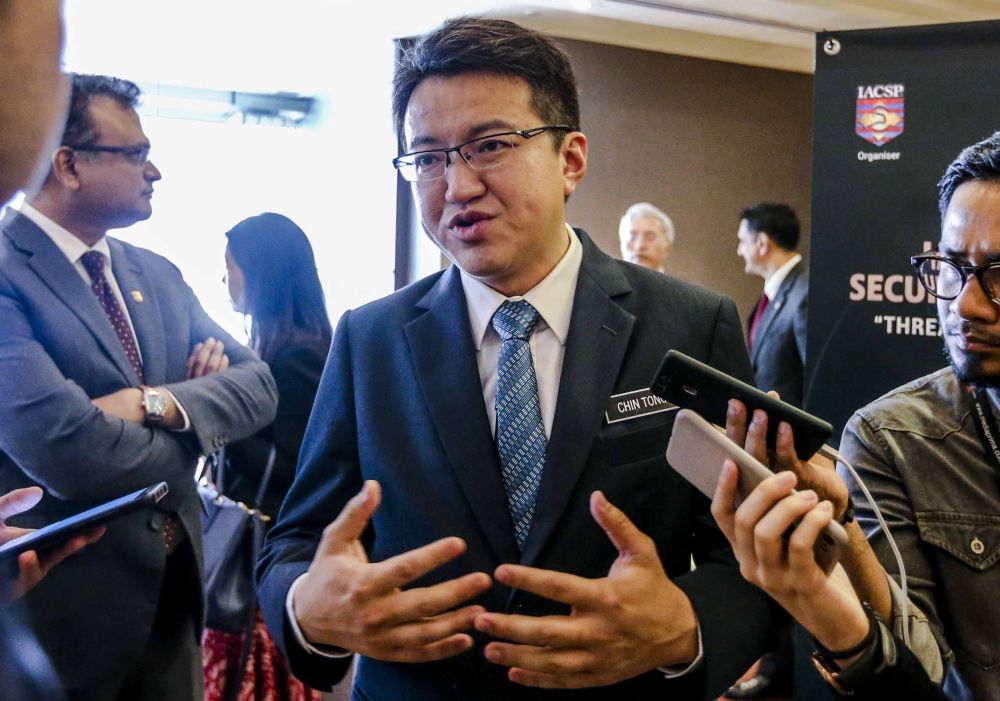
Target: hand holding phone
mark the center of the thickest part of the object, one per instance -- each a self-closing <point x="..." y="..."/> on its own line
<point x="697" y="451"/>
<point x="61" y="531"/>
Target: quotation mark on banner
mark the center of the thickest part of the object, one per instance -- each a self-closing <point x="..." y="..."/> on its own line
<point x="909" y="325"/>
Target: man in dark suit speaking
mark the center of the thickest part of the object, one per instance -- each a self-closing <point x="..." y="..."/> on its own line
<point x="776" y="329"/>
<point x="473" y="430"/>
<point x="112" y="379"/>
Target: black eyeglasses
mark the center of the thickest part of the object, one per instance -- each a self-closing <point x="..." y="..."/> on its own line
<point x="480" y="154"/>
<point x="944" y="278"/>
<point x="137" y="155"/>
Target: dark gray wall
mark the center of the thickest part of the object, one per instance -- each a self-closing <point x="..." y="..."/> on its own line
<point x="699" y="139"/>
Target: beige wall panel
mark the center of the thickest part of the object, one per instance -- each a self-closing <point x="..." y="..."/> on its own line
<point x="699" y="139"/>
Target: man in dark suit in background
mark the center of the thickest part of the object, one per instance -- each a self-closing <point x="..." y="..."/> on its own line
<point x="776" y="335"/>
<point x="113" y="378"/>
<point x="776" y="329"/>
<point x="473" y="430"/>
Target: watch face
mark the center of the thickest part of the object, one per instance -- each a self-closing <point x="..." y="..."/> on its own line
<point x="156" y="405"/>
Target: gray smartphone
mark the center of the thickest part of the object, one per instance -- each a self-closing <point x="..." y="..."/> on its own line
<point x="697" y="450"/>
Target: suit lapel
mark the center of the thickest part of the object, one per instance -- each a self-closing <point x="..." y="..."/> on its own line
<point x="144" y="310"/>
<point x="598" y="337"/>
<point x="59" y="275"/>
<point x="774" y="308"/>
<point x="445" y="361"/>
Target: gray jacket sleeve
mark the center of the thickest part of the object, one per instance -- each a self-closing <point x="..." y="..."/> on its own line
<point x="873" y="461"/>
<point x="55" y="434"/>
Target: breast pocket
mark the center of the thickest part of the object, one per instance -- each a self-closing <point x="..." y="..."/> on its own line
<point x="967" y="553"/>
<point x="636" y="440"/>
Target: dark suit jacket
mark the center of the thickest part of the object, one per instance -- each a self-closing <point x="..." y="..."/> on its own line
<point x="58" y="349"/>
<point x="25" y="671"/>
<point x="296" y="371"/>
<point x="401" y="402"/>
<point x="779" y="354"/>
<point x="907" y="679"/>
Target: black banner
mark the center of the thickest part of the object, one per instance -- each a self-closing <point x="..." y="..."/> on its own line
<point x="893" y="107"/>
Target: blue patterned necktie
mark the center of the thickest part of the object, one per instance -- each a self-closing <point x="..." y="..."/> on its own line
<point x="520" y="433"/>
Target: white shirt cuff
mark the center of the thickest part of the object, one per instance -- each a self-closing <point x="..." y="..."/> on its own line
<point x="328" y="651"/>
<point x="184" y="415"/>
<point x="678" y="671"/>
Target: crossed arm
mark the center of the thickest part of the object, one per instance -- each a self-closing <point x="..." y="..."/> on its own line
<point x="207" y="357"/>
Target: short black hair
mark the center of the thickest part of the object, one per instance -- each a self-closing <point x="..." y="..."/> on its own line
<point x="478" y="45"/>
<point x="775" y="219"/>
<point x="981" y="161"/>
<point x="80" y="129"/>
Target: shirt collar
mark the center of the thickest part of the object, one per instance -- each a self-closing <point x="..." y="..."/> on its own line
<point x="552" y="297"/>
<point x="72" y="247"/>
<point x="773" y="283"/>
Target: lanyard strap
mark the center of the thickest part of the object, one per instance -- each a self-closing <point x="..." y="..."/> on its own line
<point x="986" y="425"/>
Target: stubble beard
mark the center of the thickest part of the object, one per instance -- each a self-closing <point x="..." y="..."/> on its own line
<point x="968" y="368"/>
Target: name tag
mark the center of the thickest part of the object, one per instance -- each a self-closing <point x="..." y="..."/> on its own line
<point x="632" y="405"/>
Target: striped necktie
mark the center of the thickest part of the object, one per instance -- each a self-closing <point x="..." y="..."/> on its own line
<point x="520" y="434"/>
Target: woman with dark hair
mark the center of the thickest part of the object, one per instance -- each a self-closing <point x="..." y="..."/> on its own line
<point x="272" y="279"/>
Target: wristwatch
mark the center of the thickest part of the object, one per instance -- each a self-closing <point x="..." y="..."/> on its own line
<point x="155" y="405"/>
<point x="877" y="651"/>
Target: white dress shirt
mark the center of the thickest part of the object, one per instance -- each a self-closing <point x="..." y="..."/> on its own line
<point x="553" y="298"/>
<point x="73" y="248"/>
<point x="773" y="283"/>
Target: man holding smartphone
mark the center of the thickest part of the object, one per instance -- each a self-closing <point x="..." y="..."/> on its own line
<point x="927" y="451"/>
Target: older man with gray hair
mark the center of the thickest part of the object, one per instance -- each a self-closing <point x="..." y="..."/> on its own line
<point x="647" y="236"/>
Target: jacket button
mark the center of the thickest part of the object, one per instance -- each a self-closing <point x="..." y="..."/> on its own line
<point x="156" y="522"/>
<point x="977" y="546"/>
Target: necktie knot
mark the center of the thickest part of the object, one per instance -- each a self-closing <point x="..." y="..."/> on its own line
<point x="93" y="261"/>
<point x="515" y="320"/>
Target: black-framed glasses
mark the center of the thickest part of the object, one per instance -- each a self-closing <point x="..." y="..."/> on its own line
<point x="944" y="278"/>
<point x="479" y="154"/>
<point x="137" y="155"/>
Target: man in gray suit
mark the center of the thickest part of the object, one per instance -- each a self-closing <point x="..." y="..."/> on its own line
<point x="101" y="394"/>
<point x="776" y="329"/>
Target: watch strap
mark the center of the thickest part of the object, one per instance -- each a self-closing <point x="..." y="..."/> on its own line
<point x="879" y="653"/>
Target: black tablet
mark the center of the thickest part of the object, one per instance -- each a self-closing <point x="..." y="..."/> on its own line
<point x="61" y="531"/>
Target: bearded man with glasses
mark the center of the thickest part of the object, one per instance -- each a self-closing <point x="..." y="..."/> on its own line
<point x="928" y="451"/>
<point x="468" y="438"/>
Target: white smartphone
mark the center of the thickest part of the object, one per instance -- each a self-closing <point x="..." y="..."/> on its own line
<point x="697" y="450"/>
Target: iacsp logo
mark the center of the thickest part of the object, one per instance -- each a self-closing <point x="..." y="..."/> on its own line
<point x="879" y="113"/>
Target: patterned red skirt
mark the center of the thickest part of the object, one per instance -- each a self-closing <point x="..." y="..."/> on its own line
<point x="266" y="677"/>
